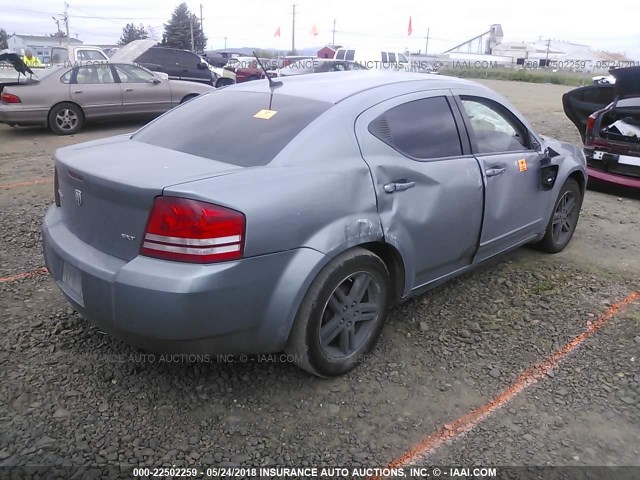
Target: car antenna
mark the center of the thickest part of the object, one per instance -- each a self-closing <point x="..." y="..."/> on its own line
<point x="272" y="84"/>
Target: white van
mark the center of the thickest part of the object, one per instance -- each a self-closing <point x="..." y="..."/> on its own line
<point x="374" y="59"/>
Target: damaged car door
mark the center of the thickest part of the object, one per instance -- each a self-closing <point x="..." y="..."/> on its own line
<point x="428" y="184"/>
<point x="510" y="161"/>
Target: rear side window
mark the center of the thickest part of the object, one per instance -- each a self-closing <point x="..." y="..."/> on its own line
<point x="340" y="54"/>
<point x="158" y="56"/>
<point x="59" y="55"/>
<point x="222" y="125"/>
<point x="392" y="57"/>
<point x="350" y="55"/>
<point x="420" y="129"/>
<point x="384" y="57"/>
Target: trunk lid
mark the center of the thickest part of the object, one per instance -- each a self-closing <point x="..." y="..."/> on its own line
<point x="107" y="188"/>
<point x="581" y="102"/>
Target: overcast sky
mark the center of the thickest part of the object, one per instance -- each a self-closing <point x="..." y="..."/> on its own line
<point x="358" y="22"/>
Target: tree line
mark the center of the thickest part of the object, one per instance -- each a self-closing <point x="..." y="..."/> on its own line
<point x="178" y="31"/>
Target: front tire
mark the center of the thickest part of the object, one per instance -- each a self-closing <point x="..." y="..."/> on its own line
<point x="342" y="314"/>
<point x="564" y="219"/>
<point x="66" y="119"/>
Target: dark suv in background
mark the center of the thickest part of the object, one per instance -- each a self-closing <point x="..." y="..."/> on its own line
<point x="178" y="64"/>
<point x="181" y="65"/>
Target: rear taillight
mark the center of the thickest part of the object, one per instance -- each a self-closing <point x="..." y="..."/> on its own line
<point x="187" y="230"/>
<point x="56" y="187"/>
<point x="591" y="123"/>
<point x="9" y="98"/>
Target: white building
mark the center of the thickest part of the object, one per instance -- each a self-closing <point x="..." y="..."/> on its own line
<point x="39" y="45"/>
<point x="563" y="55"/>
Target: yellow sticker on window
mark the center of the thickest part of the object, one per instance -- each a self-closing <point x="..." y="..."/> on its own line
<point x="265" y="114"/>
<point x="522" y="165"/>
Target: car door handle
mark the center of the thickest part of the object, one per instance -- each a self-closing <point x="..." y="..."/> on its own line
<point x="492" y="172"/>
<point x="128" y="89"/>
<point x="399" y="186"/>
<point x="77" y="91"/>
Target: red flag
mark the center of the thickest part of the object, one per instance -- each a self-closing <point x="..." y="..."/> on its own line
<point x="410" y="30"/>
<point x="314" y="30"/>
<point x="277" y="34"/>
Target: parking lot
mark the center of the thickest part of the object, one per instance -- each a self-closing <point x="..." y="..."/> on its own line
<point x="71" y="395"/>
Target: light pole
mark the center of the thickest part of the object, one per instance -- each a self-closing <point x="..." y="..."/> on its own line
<point x="58" y="30"/>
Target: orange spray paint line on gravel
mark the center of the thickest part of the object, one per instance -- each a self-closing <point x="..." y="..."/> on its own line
<point x="26" y="184"/>
<point x="20" y="276"/>
<point x="457" y="428"/>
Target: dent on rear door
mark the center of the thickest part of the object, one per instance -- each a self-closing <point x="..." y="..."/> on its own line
<point x="435" y="224"/>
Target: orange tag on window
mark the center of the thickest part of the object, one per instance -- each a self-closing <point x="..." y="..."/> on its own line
<point x="522" y="165"/>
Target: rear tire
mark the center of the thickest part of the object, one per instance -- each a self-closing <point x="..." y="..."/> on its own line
<point x="341" y="315"/>
<point x="66" y="118"/>
<point x="564" y="219"/>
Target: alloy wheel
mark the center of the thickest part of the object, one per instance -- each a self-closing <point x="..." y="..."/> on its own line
<point x="350" y="315"/>
<point x="564" y="217"/>
<point x="67" y="119"/>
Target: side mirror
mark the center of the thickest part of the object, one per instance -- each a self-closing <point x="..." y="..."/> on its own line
<point x="550" y="153"/>
<point x="203" y="65"/>
<point x="154" y="81"/>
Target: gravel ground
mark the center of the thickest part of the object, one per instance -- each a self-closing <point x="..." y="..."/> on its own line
<point x="70" y="395"/>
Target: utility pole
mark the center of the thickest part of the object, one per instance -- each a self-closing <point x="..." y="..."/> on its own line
<point x="193" y="48"/>
<point x="293" y="30"/>
<point x="426" y="47"/>
<point x="66" y="22"/>
<point x="58" y="30"/>
<point x="546" y="58"/>
<point x="225" y="43"/>
<point x="202" y="26"/>
<point x="333" y="39"/>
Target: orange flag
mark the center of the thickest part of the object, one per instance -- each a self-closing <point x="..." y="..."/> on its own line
<point x="410" y="30"/>
<point x="277" y="34"/>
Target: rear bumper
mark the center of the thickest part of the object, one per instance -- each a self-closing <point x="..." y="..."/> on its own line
<point x="244" y="306"/>
<point x="15" y="114"/>
<point x="613" y="178"/>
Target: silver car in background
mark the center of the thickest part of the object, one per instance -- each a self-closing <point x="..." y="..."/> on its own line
<point x="64" y="98"/>
<point x="295" y="223"/>
<point x="315" y="65"/>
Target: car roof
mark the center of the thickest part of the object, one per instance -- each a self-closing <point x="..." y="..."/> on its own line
<point x="334" y="87"/>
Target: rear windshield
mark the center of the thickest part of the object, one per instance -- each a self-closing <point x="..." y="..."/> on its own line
<point x="233" y="126"/>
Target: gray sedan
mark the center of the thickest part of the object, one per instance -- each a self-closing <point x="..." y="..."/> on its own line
<point x="64" y="98"/>
<point x="298" y="221"/>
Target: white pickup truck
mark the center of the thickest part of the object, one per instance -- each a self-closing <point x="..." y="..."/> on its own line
<point x="77" y="55"/>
